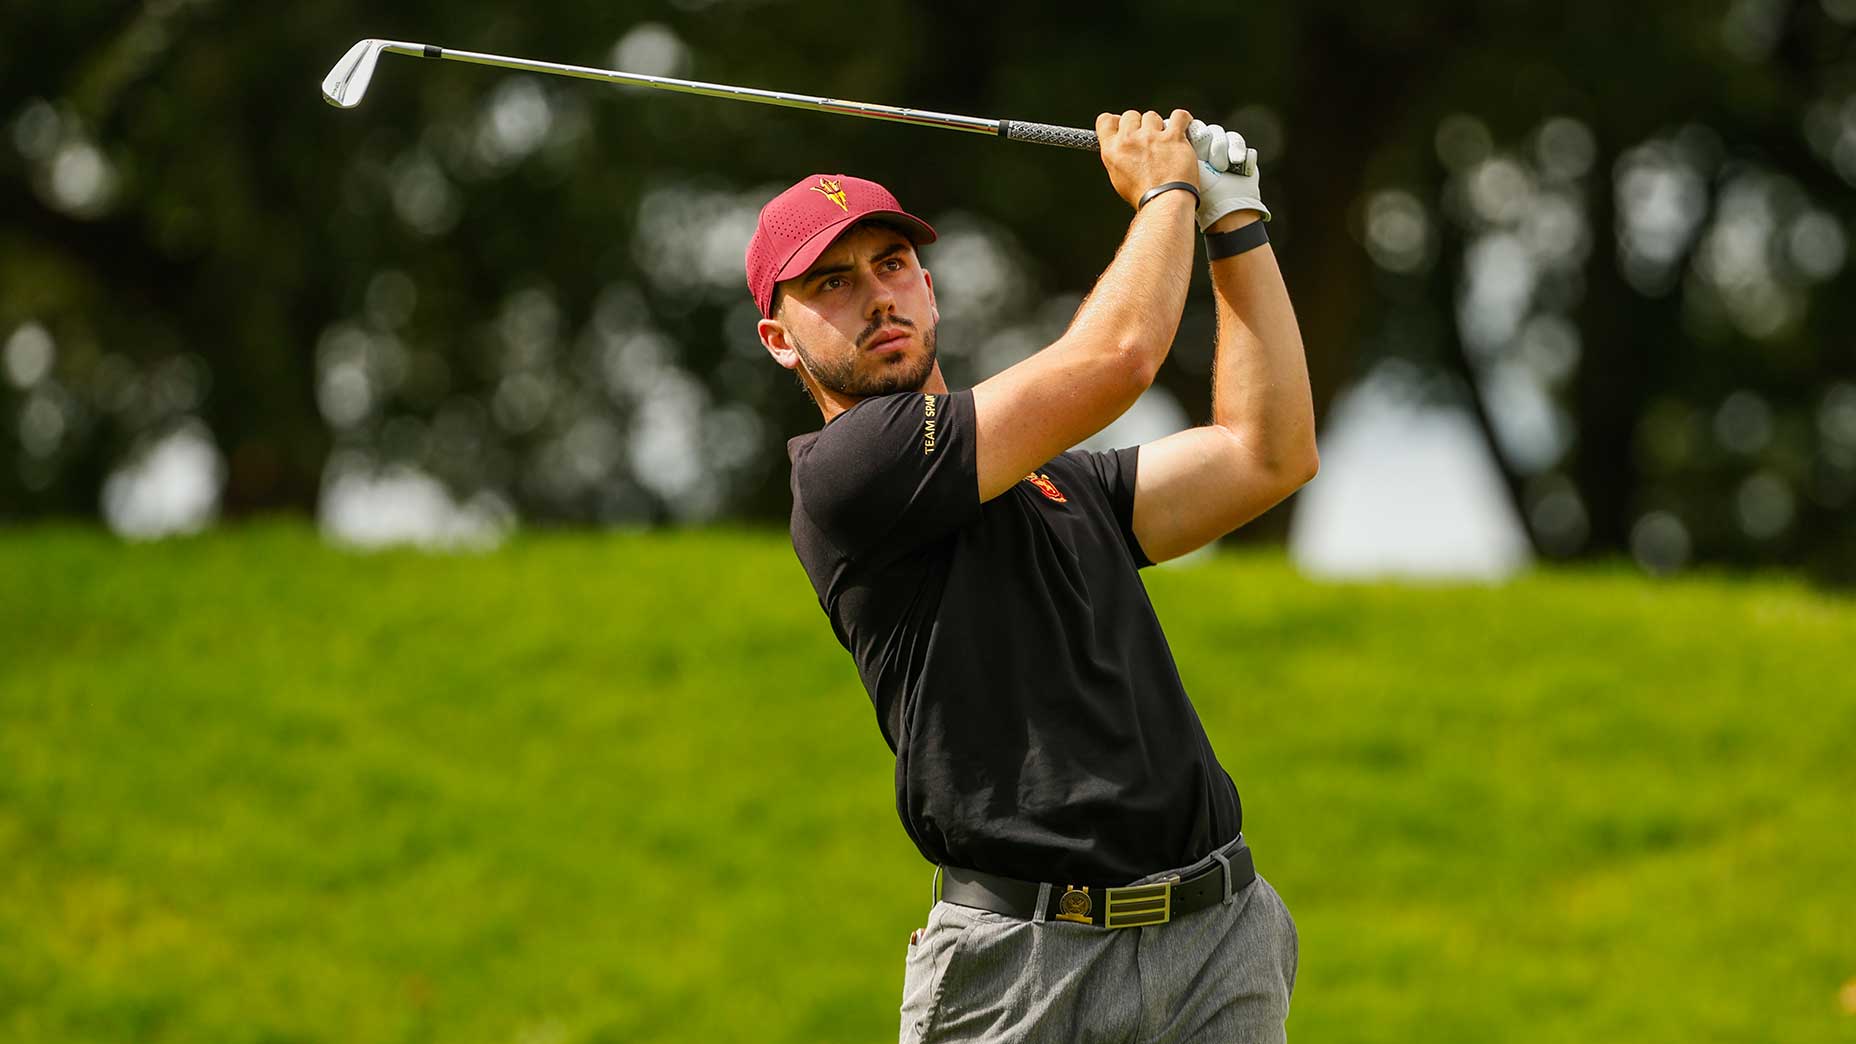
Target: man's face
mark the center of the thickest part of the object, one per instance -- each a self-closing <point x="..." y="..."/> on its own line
<point x="862" y="319"/>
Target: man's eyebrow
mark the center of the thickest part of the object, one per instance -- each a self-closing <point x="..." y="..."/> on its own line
<point x="882" y="255"/>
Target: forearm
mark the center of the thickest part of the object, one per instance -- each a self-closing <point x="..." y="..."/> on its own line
<point x="1136" y="304"/>
<point x="1260" y="385"/>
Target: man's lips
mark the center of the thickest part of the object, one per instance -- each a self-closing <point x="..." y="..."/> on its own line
<point x="891" y="338"/>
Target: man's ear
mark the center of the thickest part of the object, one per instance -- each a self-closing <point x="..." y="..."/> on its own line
<point x="934" y="310"/>
<point x="774" y="338"/>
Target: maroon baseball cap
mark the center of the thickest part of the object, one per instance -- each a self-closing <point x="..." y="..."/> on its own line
<point x="801" y="223"/>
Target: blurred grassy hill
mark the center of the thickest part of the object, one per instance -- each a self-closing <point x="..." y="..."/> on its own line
<point x="626" y="787"/>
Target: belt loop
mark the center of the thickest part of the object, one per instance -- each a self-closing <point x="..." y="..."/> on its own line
<point x="934" y="886"/>
<point x="1225" y="861"/>
<point x="1043" y="903"/>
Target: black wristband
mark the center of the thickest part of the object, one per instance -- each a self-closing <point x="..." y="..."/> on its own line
<point x="1157" y="189"/>
<point x="1220" y="245"/>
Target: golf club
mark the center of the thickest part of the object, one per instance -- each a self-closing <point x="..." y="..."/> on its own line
<point x="347" y="83"/>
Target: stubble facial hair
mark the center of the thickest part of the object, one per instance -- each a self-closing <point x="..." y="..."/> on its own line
<point x="842" y="377"/>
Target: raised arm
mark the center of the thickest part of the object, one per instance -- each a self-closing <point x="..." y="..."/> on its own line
<point x="1077" y="386"/>
<point x="1197" y="485"/>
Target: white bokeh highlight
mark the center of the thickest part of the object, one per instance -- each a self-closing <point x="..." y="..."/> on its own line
<point x="363" y="506"/>
<point x="171" y="488"/>
<point x="1405" y="490"/>
<point x="29" y="355"/>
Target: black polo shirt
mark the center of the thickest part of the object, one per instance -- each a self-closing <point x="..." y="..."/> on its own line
<point x="1016" y="665"/>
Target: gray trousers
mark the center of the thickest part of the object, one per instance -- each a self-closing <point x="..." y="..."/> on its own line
<point x="1221" y="974"/>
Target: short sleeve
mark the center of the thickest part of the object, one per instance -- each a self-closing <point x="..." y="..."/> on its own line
<point x="1116" y="470"/>
<point x="892" y="472"/>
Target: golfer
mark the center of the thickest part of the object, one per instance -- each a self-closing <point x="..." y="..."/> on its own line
<point x="1093" y="881"/>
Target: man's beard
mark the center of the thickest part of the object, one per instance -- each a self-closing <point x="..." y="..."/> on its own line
<point x="842" y="377"/>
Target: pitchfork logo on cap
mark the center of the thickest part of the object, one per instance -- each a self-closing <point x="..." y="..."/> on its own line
<point x="832" y="190"/>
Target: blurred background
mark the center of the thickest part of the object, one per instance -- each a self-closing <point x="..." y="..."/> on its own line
<point x="1573" y="278"/>
<point x="1576" y="289"/>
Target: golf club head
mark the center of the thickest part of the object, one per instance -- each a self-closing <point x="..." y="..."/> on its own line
<point x="347" y="82"/>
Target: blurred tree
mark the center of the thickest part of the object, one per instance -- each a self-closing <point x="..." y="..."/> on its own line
<point x="1619" y="232"/>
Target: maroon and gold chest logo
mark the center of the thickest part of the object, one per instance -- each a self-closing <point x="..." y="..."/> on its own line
<point x="1047" y="487"/>
<point x="832" y="189"/>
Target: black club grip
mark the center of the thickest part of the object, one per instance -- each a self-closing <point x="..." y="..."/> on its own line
<point x="1047" y="134"/>
<point x="1068" y="137"/>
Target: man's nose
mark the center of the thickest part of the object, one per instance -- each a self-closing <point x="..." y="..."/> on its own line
<point x="882" y="298"/>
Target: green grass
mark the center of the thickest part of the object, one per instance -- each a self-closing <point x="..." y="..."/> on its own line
<point x="627" y="787"/>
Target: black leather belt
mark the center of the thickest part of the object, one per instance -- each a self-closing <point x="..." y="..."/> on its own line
<point x="1131" y="906"/>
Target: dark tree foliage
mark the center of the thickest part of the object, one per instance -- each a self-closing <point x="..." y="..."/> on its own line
<point x="522" y="285"/>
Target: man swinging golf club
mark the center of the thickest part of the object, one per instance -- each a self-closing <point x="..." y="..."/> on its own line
<point x="1094" y="883"/>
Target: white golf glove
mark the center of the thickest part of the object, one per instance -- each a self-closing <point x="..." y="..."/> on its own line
<point x="1224" y="188"/>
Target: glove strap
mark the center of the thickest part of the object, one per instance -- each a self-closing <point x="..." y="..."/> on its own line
<point x="1219" y="245"/>
<point x="1157" y="189"/>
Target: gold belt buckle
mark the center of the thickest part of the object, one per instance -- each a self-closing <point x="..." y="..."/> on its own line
<point x="1137" y="906"/>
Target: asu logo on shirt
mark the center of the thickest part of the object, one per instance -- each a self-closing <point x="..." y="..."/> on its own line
<point x="1047" y="487"/>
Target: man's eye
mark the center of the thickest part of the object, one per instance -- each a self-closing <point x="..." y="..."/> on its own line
<point x="832" y="283"/>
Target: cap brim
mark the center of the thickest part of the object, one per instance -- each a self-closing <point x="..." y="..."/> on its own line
<point x="917" y="230"/>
